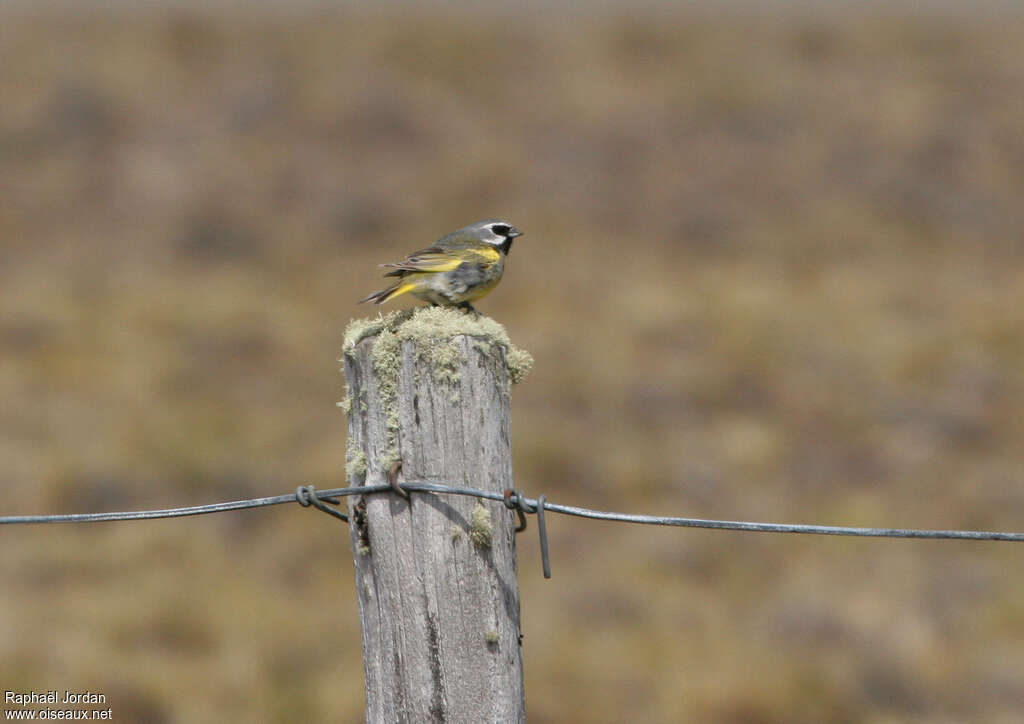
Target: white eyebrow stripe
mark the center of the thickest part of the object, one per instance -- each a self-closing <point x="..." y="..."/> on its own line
<point x="494" y="240"/>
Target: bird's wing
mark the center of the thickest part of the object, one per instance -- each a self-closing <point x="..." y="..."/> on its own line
<point x="436" y="259"/>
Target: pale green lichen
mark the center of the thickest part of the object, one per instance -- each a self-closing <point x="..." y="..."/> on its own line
<point x="355" y="461"/>
<point x="386" y="360"/>
<point x="346" y="401"/>
<point x="389" y="457"/>
<point x="456" y="533"/>
<point x="519" y="363"/>
<point x="432" y="330"/>
<point x="481" y="529"/>
<point x="360" y="329"/>
<point x="443" y="358"/>
<point x="491" y="636"/>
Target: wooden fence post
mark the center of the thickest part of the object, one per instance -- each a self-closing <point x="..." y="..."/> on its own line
<point x="435" y="574"/>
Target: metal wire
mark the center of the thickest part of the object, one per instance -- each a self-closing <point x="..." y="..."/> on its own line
<point x="530" y="505"/>
<point x="545" y="558"/>
<point x="306" y="496"/>
<point x="182" y="512"/>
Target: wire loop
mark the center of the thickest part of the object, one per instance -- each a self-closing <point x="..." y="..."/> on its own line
<point x="514" y="501"/>
<point x="306" y="495"/>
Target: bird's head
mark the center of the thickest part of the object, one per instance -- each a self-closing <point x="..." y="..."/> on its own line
<point x="494" y="232"/>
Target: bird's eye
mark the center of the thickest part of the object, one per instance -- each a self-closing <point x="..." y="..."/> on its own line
<point x="500" y="229"/>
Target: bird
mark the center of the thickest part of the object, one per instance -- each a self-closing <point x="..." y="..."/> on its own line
<point x="458" y="269"/>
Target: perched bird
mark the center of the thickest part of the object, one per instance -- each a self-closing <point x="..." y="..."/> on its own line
<point x="458" y="269"/>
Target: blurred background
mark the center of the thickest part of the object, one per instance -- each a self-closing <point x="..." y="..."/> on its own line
<point x="773" y="270"/>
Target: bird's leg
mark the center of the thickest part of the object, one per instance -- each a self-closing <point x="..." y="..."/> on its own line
<point x="467" y="307"/>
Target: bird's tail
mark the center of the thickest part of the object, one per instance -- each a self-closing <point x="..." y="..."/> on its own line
<point x="395" y="290"/>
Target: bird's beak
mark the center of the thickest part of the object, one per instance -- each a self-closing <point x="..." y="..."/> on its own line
<point x="513" y="232"/>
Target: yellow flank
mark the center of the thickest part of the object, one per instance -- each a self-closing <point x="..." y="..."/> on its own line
<point x="481" y="290"/>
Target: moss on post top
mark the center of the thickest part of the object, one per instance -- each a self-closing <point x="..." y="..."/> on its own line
<point x="431" y="328"/>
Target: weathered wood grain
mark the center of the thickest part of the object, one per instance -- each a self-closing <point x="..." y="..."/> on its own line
<point x="436" y="575"/>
